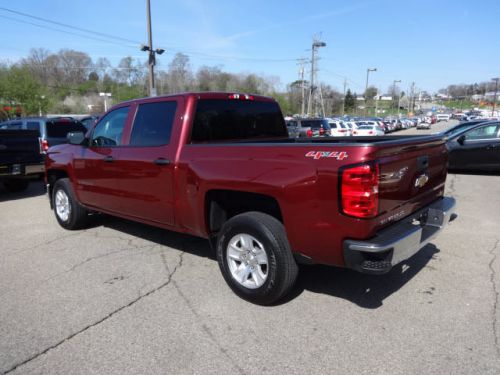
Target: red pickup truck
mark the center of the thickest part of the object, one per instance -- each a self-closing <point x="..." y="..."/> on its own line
<point x="221" y="166"/>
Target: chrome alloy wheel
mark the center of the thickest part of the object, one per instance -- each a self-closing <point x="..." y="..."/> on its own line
<point x="247" y="261"/>
<point x="63" y="208"/>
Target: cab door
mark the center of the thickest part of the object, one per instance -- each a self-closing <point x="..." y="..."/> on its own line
<point x="146" y="164"/>
<point x="96" y="166"/>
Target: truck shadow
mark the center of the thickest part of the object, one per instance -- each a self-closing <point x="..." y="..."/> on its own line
<point x="366" y="291"/>
<point x="35" y="189"/>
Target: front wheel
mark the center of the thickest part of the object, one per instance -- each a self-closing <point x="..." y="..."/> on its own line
<point x="69" y="213"/>
<point x="255" y="257"/>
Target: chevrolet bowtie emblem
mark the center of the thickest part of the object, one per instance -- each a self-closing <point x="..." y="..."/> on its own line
<point x="421" y="180"/>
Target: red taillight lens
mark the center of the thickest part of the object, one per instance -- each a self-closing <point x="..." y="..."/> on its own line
<point x="321" y="131"/>
<point x="359" y="191"/>
<point x="44" y="145"/>
<point x="309" y="133"/>
<point x="370" y="132"/>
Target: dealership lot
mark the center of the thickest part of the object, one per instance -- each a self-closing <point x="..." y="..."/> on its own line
<point x="122" y="297"/>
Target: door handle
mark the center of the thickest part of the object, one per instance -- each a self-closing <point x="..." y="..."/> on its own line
<point x="161" y="161"/>
<point x="491" y="147"/>
<point x="108" y="159"/>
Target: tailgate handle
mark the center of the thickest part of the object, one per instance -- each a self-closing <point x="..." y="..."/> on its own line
<point x="422" y="162"/>
<point x="108" y="159"/>
<point x="162" y="161"/>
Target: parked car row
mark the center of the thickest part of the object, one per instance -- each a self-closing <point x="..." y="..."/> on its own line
<point x="347" y="126"/>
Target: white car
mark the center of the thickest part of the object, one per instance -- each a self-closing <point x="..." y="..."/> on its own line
<point x="339" y="129"/>
<point x="443" y="117"/>
<point x="364" y="130"/>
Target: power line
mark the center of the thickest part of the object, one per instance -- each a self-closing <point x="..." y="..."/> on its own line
<point x="69" y="26"/>
<point x="135" y="43"/>
<point x="63" y="31"/>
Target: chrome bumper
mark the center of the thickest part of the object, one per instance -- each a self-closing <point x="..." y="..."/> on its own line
<point x="400" y="241"/>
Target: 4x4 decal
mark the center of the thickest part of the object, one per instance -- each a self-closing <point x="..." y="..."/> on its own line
<point x="327" y="154"/>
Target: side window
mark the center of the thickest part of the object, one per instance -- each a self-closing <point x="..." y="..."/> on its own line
<point x="109" y="130"/>
<point x="15" y="126"/>
<point x="153" y="124"/>
<point x="484" y="132"/>
<point x="33" y="125"/>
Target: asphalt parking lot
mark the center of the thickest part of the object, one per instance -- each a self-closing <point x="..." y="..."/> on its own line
<point x="125" y="298"/>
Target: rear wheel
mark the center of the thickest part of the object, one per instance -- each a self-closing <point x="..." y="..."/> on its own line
<point x="15" y="186"/>
<point x="255" y="257"/>
<point x="69" y="213"/>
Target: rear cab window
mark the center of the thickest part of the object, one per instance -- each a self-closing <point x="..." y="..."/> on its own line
<point x="222" y="120"/>
<point x="33" y="125"/>
<point x="61" y="128"/>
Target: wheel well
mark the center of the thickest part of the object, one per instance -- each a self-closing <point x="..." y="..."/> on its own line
<point x="52" y="176"/>
<point x="222" y="205"/>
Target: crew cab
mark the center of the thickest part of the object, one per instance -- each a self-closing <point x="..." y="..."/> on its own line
<point x="221" y="166"/>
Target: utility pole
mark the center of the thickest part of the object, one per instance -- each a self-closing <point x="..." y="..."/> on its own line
<point x="411" y="104"/>
<point x="343" y="101"/>
<point x="152" y="52"/>
<point x="301" y="63"/>
<point x="366" y="86"/>
<point x="495" y="96"/>
<point x="399" y="95"/>
<point x="311" y="104"/>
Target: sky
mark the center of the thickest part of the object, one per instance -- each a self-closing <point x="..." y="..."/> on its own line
<point x="433" y="43"/>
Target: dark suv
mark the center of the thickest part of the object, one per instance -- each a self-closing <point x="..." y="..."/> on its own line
<point x="52" y="130"/>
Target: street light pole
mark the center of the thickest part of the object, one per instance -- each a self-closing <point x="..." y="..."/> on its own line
<point x="151" y="60"/>
<point x="366" y="86"/>
<point x="495" y="96"/>
<point x="399" y="96"/>
<point x="105" y="95"/>
<point x="151" y="52"/>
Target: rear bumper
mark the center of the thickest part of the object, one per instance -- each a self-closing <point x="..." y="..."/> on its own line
<point x="21" y="170"/>
<point x="400" y="241"/>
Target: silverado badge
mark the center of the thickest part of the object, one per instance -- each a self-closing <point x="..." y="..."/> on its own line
<point x="421" y="180"/>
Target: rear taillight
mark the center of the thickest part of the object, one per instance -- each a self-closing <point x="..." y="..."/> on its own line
<point x="371" y="132"/>
<point x="359" y="191"/>
<point x="44" y="146"/>
<point x="355" y="132"/>
<point x="309" y="133"/>
<point x="321" y="131"/>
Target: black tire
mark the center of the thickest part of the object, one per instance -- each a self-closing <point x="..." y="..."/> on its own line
<point x="16" y="185"/>
<point x="281" y="268"/>
<point x="77" y="215"/>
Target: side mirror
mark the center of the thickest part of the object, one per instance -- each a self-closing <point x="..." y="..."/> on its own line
<point x="76" y="138"/>
<point x="461" y="140"/>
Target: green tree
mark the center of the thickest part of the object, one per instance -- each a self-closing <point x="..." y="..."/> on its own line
<point x="17" y="86"/>
<point x="349" y="101"/>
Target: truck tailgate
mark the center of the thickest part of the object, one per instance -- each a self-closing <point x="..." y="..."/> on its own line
<point x="19" y="147"/>
<point x="411" y="176"/>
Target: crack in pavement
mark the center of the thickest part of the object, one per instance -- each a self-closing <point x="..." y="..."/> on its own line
<point x="134" y="301"/>
<point x="87" y="260"/>
<point x="199" y="318"/>
<point x="496" y="296"/>
<point x="63" y="237"/>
